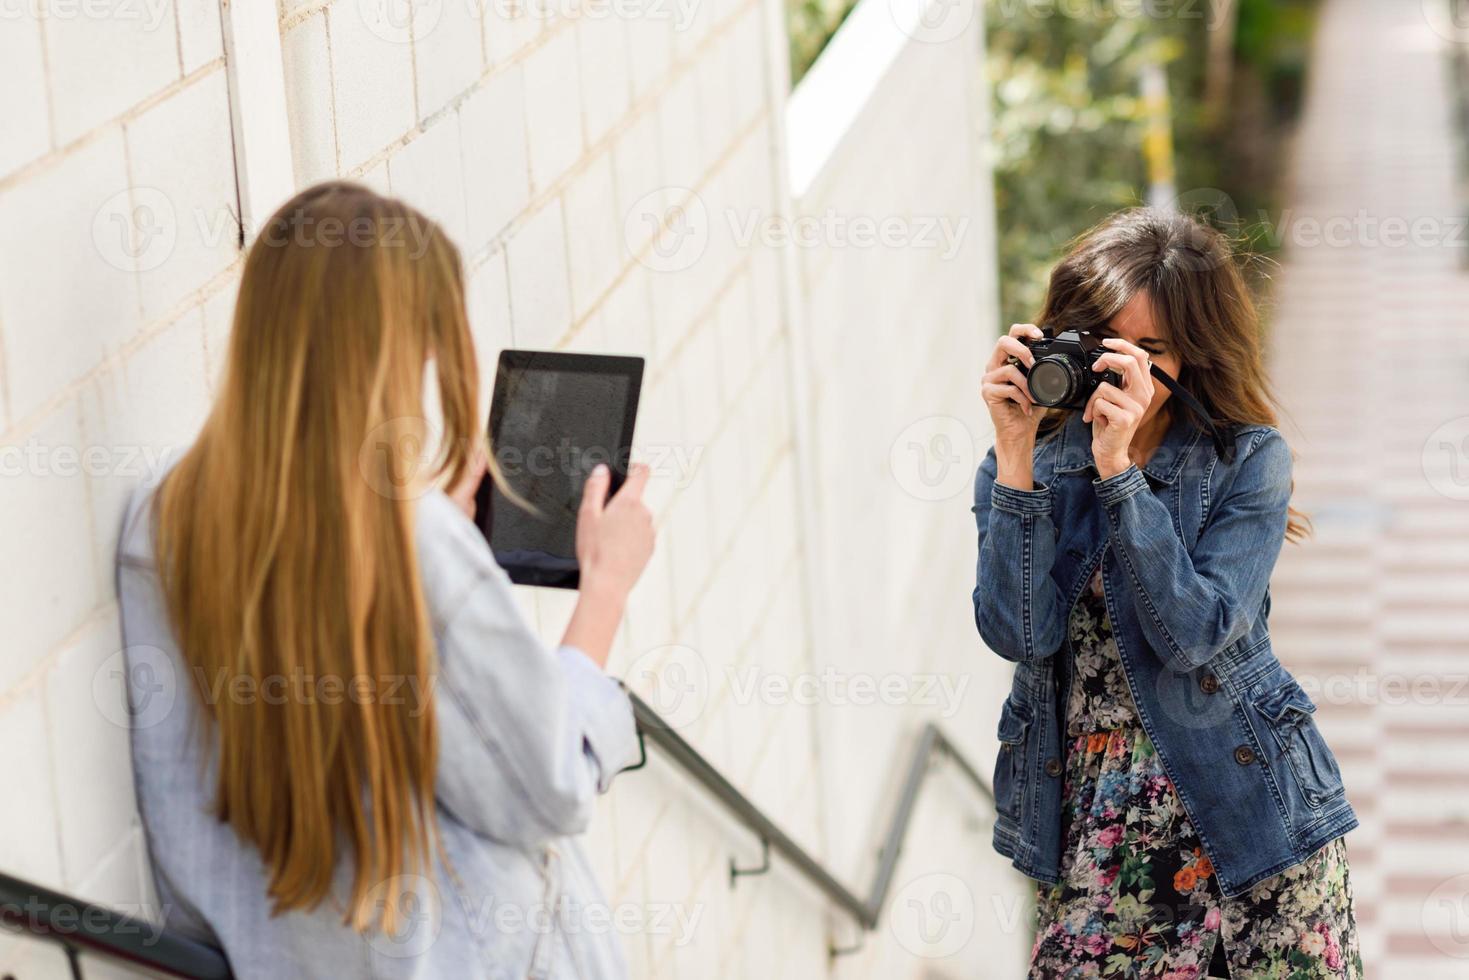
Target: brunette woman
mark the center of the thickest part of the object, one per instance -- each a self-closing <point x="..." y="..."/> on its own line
<point x="1160" y="772"/>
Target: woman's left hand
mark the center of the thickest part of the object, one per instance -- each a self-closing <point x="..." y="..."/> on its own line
<point x="463" y="492"/>
<point x="1114" y="412"/>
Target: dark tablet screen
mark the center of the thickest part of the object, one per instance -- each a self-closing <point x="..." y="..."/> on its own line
<point x="553" y="418"/>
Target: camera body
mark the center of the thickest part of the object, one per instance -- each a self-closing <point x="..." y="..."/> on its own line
<point x="1062" y="376"/>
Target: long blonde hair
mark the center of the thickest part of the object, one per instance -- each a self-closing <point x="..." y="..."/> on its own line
<point x="287" y="552"/>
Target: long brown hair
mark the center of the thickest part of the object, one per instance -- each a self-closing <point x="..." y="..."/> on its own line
<point x="287" y="552"/>
<point x="1190" y="273"/>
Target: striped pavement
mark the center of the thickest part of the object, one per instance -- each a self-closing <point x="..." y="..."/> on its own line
<point x="1369" y="352"/>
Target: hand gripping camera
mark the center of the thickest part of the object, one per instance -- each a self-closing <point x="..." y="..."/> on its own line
<point x="1062" y="376"/>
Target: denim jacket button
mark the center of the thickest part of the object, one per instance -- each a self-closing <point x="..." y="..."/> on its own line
<point x="1208" y="683"/>
<point x="1053" y="767"/>
<point x="1244" y="755"/>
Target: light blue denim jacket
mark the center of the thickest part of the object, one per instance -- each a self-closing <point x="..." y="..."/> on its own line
<point x="1186" y="546"/>
<point x="527" y="737"/>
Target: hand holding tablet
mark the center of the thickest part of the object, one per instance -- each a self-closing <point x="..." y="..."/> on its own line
<point x="554" y="417"/>
<point x="614" y="538"/>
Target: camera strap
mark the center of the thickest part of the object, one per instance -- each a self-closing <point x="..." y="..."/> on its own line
<point x="1225" y="448"/>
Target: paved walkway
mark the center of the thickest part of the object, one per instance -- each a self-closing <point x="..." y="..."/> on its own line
<point x="1370" y="353"/>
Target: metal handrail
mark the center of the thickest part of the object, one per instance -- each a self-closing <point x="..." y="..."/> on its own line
<point x="932" y="743"/>
<point x="80" y="926"/>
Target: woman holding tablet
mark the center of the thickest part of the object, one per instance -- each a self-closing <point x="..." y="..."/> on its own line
<point x="354" y="756"/>
<point x="1159" y="769"/>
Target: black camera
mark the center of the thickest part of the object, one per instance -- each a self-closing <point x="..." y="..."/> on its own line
<point x="1062" y="376"/>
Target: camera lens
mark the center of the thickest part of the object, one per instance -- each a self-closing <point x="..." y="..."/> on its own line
<point x="1053" y="380"/>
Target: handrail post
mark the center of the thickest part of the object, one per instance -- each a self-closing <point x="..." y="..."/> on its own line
<point x="932" y="742"/>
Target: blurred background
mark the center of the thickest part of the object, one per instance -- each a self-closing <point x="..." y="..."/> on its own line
<point x="811" y="217"/>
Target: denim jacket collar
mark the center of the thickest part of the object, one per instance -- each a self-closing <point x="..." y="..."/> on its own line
<point x="1074" y="447"/>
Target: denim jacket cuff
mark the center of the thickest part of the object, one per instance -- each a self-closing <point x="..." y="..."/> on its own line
<point x="601" y="703"/>
<point x="1118" y="487"/>
<point x="1022" y="502"/>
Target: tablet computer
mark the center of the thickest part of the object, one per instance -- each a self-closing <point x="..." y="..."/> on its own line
<point x="553" y="418"/>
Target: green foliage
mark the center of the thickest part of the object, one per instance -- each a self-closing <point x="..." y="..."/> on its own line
<point x="1067" y="129"/>
<point x="811" y="24"/>
<point x="1068" y="122"/>
<point x="1273" y="40"/>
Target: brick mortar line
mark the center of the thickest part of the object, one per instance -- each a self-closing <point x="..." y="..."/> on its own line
<point x="536" y="204"/>
<point x="190" y="303"/>
<point x="683" y="619"/>
<point x="699" y="879"/>
<point x="331" y="80"/>
<point x="636" y="861"/>
<point x="4" y="380"/>
<point x="286" y="22"/>
<point x="634" y="114"/>
<point x="760" y="361"/>
<point x="51" y="129"/>
<point x="635" y="864"/>
<point x="36" y="675"/>
<point x="685" y="334"/>
<point x="56" y="156"/>
<point x="81" y="884"/>
<point x="730" y="151"/>
<point x="757" y="363"/>
<point x="768" y="602"/>
<point x="549" y="32"/>
<point x="591" y="152"/>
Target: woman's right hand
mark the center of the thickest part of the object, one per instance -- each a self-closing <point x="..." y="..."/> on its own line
<point x="1007" y="396"/>
<point x="614" y="539"/>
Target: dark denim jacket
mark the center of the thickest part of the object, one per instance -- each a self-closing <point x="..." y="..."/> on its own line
<point x="1187" y="545"/>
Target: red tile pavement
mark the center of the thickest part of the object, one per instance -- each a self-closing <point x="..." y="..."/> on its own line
<point x="1370" y="353"/>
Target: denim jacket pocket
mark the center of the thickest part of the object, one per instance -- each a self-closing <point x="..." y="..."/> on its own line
<point x="1009" y="777"/>
<point x="1287" y="710"/>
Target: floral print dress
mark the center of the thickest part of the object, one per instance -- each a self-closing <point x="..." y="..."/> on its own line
<point x="1138" y="896"/>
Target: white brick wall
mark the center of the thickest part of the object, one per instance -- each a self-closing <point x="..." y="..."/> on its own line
<point x="542" y="135"/>
<point x="117" y="248"/>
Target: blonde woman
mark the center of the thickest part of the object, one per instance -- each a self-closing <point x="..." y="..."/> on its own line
<point x="354" y="757"/>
